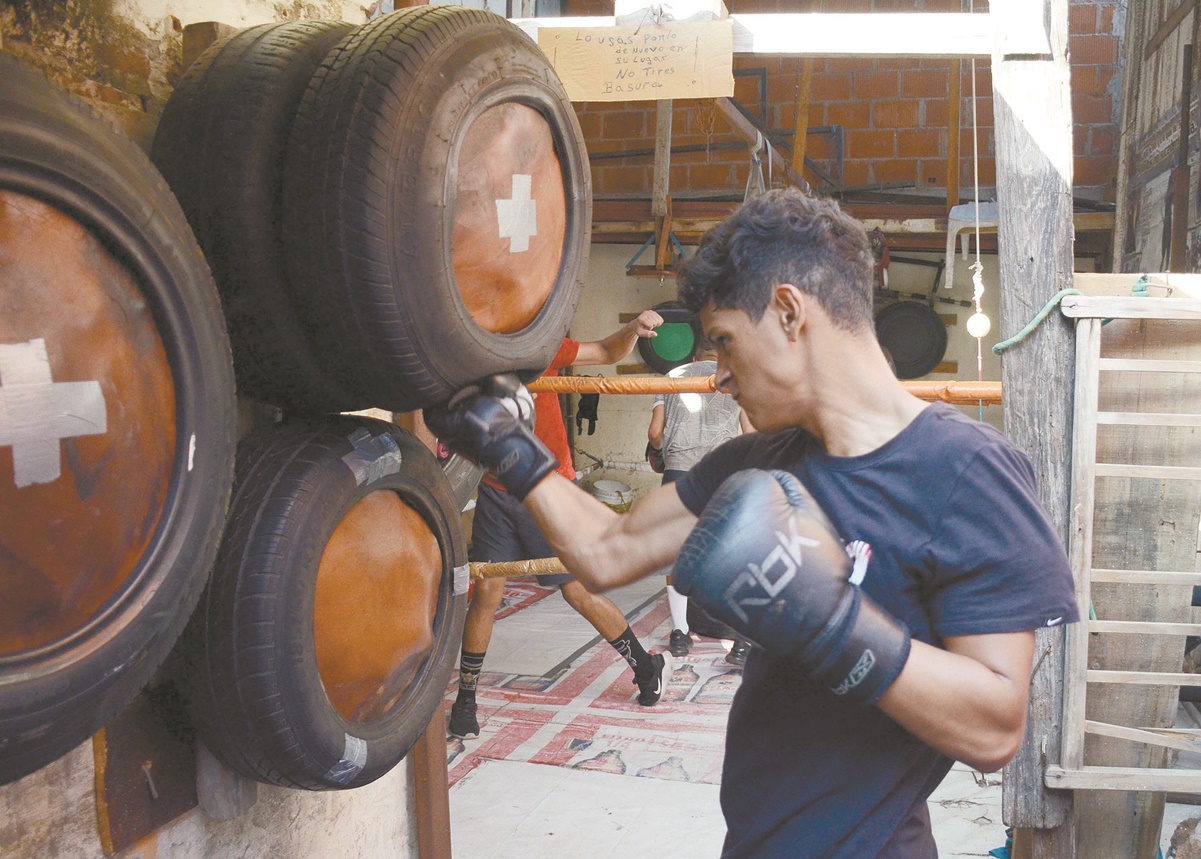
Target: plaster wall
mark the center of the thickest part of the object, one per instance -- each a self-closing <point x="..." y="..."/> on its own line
<point x="53" y="813"/>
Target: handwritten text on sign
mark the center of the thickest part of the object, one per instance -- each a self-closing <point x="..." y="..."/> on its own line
<point x="677" y="60"/>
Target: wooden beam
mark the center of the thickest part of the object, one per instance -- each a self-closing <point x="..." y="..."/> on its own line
<point x="800" y="137"/>
<point x="1032" y="108"/>
<point x="661" y="178"/>
<point x="836" y="34"/>
<point x="1123" y="778"/>
<point x="750" y="133"/>
<point x="1169" y="26"/>
<point x="1181" y="185"/>
<point x="954" y="82"/>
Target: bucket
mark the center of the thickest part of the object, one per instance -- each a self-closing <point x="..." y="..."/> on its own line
<point x="613" y="494"/>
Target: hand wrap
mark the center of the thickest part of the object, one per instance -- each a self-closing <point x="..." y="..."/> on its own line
<point x="492" y="423"/>
<point x="764" y="559"/>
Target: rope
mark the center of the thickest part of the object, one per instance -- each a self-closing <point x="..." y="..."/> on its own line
<point x="950" y="391"/>
<point x="1036" y="321"/>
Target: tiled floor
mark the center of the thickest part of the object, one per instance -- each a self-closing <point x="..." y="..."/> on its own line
<point x="568" y="764"/>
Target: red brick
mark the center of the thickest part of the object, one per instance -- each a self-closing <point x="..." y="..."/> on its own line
<point x="625" y="125"/>
<point x="714" y="177"/>
<point x="923" y="84"/>
<point x="894" y="114"/>
<point x="1094" y="170"/>
<point x="1105" y="25"/>
<point x="1102" y="140"/>
<point x="855" y="172"/>
<point x="1084" y="80"/>
<point x="1093" y="50"/>
<point x="831" y="87"/>
<point x="876" y="84"/>
<point x="590" y="126"/>
<point x="921" y="143"/>
<point x="935" y="112"/>
<point x="1082" y="19"/>
<point x="849" y="114"/>
<point x="894" y="170"/>
<point x="871" y="144"/>
<point x="1092" y="109"/>
<point x="612" y="180"/>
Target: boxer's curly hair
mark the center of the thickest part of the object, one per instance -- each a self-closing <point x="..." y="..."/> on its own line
<point x="783" y="236"/>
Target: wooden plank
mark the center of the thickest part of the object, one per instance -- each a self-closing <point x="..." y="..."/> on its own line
<point x="1168" y="27"/>
<point x="1149" y="365"/>
<point x="1181" y="184"/>
<point x="1144" y="627"/>
<point x="1143" y="678"/>
<point x="1033" y="146"/>
<point x="1147" y="577"/>
<point x="834" y="34"/>
<point x="954" y="82"/>
<point x="1108" y="307"/>
<point x="1147" y="419"/>
<point x="1148" y="472"/>
<point x="660" y="179"/>
<point x="800" y="136"/>
<point x="1124" y="778"/>
<point x="1080" y="542"/>
<point x="1169" y="740"/>
<point x="750" y="133"/>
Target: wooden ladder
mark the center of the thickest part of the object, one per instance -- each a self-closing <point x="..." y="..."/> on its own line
<point x="1072" y="772"/>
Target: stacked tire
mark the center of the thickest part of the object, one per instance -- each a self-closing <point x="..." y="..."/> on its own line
<point x="116" y="421"/>
<point x="391" y="212"/>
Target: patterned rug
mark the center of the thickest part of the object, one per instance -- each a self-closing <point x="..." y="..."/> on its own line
<point x="587" y="717"/>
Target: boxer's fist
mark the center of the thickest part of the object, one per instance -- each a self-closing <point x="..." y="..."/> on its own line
<point x="764" y="559"/>
<point x="492" y="423"/>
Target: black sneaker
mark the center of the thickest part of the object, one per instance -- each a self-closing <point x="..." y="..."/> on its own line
<point x="463" y="723"/>
<point x="737" y="654"/>
<point x="651" y="689"/>
<point x="680" y="643"/>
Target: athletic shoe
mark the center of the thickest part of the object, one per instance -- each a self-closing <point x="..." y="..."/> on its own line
<point x="737" y="654"/>
<point x="680" y="643"/>
<point x="463" y="723"/>
<point x="651" y="689"/>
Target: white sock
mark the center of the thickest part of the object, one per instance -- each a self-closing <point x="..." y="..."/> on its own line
<point x="678" y="603"/>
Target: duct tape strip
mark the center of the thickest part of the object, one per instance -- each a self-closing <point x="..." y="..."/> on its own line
<point x="354" y="758"/>
<point x="37" y="413"/>
<point x="373" y="457"/>
<point x="462" y="579"/>
<point x="518" y="217"/>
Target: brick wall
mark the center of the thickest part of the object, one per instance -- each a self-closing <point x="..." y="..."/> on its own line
<point x="893" y="114"/>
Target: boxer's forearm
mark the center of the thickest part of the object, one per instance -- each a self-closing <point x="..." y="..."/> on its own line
<point x="604" y="549"/>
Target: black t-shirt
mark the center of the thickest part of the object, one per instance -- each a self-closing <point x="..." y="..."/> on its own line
<point x="946" y="532"/>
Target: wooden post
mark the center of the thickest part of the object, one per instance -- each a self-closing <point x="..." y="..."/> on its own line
<point x="431" y="782"/>
<point x="1032" y="105"/>
<point x="954" y="82"/>
<point x="1181" y="185"/>
<point x="800" y="138"/>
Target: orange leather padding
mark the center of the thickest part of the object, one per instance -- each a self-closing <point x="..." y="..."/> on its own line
<point x="375" y="605"/>
<point x="503" y="288"/>
<point x="68" y="545"/>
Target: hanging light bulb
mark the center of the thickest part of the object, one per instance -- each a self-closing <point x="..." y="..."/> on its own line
<point x="978" y="325"/>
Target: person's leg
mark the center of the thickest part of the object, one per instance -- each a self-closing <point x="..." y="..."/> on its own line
<point x="680" y="642"/>
<point x="492" y="539"/>
<point x="651" y="671"/>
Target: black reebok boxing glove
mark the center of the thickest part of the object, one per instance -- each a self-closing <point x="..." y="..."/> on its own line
<point x="492" y="423"/>
<point x="764" y="559"/>
<point x="654" y="458"/>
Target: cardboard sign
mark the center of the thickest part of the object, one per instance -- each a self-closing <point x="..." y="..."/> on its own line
<point x="644" y="63"/>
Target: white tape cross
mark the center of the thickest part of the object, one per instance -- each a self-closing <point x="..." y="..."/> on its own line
<point x="518" y="216"/>
<point x="36" y="413"/>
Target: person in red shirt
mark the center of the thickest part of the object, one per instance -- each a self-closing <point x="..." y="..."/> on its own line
<point x="502" y="530"/>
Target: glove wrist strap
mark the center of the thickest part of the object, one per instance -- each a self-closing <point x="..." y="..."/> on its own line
<point x="863" y="655"/>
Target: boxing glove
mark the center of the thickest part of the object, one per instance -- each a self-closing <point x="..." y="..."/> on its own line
<point x="492" y="423"/>
<point x="764" y="559"/>
<point x="654" y="458"/>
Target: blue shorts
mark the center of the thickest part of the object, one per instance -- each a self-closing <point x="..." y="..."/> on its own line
<point x="503" y="530"/>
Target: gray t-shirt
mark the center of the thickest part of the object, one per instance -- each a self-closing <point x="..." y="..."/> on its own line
<point x="696" y="423"/>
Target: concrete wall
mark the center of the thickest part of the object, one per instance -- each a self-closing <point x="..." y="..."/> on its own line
<point x="52" y="813"/>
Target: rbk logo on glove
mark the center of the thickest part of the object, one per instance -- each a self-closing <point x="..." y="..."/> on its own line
<point x="781" y="562"/>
